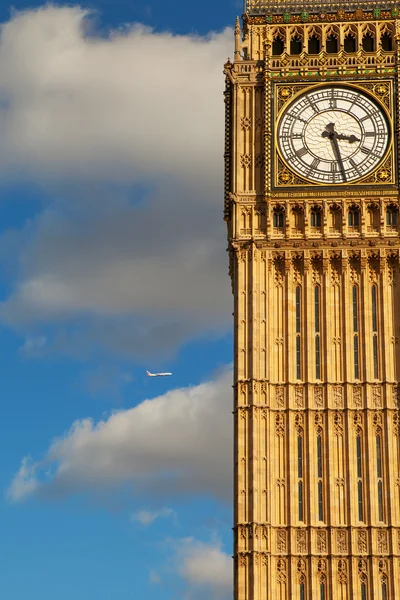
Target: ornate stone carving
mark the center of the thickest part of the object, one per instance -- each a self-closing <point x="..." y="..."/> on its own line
<point x="301" y="540"/>
<point x="279" y="271"/>
<point x="319" y="423"/>
<point x="321" y="568"/>
<point x="321" y="541"/>
<point x="338" y="396"/>
<point x="319" y="396"/>
<point x="280" y="425"/>
<point x="280" y="396"/>
<point x="338" y="424"/>
<point x="377" y="396"/>
<point x="281" y="570"/>
<point x="299" y="396"/>
<point x="362" y="544"/>
<point x="357" y="396"/>
<point x="342" y="572"/>
<point x="382" y="541"/>
<point x="281" y="541"/>
<point x="299" y="422"/>
<point x="341" y="541"/>
<point x="357" y="421"/>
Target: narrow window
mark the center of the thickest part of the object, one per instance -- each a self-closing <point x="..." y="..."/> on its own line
<point x="384" y="591"/>
<point x="378" y="456"/>
<point x="359" y="478"/>
<point x="350" y="43"/>
<point x="360" y="501"/>
<point x="387" y="42"/>
<point x="375" y="352"/>
<point x="278" y="46"/>
<point x="278" y="219"/>
<point x="300" y="475"/>
<point x="356" y="365"/>
<point x="314" y="45"/>
<point x="368" y="43"/>
<point x="322" y="591"/>
<point x="332" y="44"/>
<point x="298" y="358"/>
<point x="374" y="312"/>
<point x="296" y="45"/>
<point x="359" y="459"/>
<point x="300" y="456"/>
<point x="316" y="218"/>
<point x="317" y="357"/>
<point x="363" y="591"/>
<point x="380" y="500"/>
<point x="301" y="501"/>
<point x="354" y="218"/>
<point x="355" y="309"/>
<point x="298" y="309"/>
<point x="302" y="591"/>
<point x="319" y="455"/>
<point x="391" y="217"/>
<point x="320" y="502"/>
<point x="316" y="305"/>
<point x="298" y="329"/>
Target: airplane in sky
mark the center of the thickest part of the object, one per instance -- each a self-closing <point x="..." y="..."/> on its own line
<point x="158" y="374"/>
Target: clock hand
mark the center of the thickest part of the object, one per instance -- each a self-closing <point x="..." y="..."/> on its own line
<point x="349" y="138"/>
<point x="333" y="137"/>
<point x="330" y="130"/>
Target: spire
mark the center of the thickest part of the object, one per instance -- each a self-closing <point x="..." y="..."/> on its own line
<point x="237" y="39"/>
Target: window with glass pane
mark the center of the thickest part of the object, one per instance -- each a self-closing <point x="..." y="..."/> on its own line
<point x="356" y="365"/>
<point x="374" y="308"/>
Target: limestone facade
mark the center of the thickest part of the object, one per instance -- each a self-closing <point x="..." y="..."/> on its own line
<point x="315" y="276"/>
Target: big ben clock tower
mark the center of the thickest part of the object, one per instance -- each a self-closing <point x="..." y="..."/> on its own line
<point x="312" y="208"/>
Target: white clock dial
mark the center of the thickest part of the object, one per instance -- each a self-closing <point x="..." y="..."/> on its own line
<point x="333" y="135"/>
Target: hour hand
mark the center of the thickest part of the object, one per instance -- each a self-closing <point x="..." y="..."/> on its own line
<point x="348" y="138"/>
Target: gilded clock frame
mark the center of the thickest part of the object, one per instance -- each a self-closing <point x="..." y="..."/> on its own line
<point x="382" y="92"/>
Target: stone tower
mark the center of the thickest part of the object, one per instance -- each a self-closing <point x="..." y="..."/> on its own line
<point x="312" y="208"/>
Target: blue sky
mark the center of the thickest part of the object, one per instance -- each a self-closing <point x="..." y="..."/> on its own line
<point x="112" y="261"/>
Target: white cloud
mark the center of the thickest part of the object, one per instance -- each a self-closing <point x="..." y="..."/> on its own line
<point x="126" y="133"/>
<point x="147" y="517"/>
<point x="24" y="483"/>
<point x="206" y="568"/>
<point x="178" y="443"/>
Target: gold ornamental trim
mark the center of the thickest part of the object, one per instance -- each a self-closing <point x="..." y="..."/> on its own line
<point x="381" y="92"/>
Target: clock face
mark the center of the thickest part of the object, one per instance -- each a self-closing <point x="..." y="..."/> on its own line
<point x="333" y="135"/>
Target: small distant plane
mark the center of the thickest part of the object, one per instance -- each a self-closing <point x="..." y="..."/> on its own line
<point x="158" y="374"/>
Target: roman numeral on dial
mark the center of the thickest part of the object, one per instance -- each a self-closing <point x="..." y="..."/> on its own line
<point x="301" y="152"/>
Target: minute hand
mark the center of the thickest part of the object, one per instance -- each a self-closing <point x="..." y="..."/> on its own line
<point x="334" y="141"/>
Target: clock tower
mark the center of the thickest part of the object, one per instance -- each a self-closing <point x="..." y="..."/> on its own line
<point x="312" y="208"/>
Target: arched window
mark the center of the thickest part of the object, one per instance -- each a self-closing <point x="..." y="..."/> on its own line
<point x="296" y="45"/>
<point x="350" y="43"/>
<point x="354" y="217"/>
<point x="391" y="216"/>
<point x="335" y="218"/>
<point x="316" y="217"/>
<point x="387" y="42"/>
<point x="314" y="45"/>
<point x="278" y="46"/>
<point x="278" y="219"/>
<point x="332" y="44"/>
<point x="298" y="218"/>
<point x="368" y="42"/>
